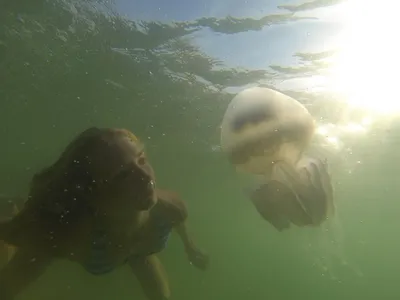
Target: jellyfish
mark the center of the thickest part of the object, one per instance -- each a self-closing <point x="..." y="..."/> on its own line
<point x="267" y="133"/>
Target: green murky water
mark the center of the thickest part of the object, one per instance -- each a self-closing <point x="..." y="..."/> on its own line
<point x="68" y="65"/>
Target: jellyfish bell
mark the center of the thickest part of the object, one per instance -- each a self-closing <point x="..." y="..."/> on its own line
<point x="262" y="126"/>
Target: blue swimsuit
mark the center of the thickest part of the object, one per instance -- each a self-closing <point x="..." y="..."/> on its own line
<point x="99" y="261"/>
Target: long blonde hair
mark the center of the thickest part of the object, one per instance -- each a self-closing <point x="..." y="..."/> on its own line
<point x="59" y="195"/>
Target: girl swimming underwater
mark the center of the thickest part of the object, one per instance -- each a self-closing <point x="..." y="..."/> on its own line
<point x="97" y="206"/>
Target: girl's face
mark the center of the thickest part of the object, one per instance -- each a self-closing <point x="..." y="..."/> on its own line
<point x="130" y="181"/>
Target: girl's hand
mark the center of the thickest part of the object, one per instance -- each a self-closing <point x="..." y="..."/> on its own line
<point x="198" y="258"/>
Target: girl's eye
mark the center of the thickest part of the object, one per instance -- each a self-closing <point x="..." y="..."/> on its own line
<point x="142" y="160"/>
<point x="123" y="174"/>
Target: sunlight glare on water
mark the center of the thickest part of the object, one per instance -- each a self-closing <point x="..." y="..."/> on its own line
<point x="364" y="69"/>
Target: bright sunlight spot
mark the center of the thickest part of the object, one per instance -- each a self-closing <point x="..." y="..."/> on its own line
<point x="364" y="71"/>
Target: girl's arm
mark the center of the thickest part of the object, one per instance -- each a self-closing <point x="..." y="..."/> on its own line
<point x="23" y="269"/>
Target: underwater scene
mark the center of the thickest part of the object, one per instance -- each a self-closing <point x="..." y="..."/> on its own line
<point x="170" y="149"/>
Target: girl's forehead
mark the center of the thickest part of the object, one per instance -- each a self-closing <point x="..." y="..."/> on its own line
<point x="134" y="143"/>
<point x="132" y="137"/>
<point x="123" y="151"/>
